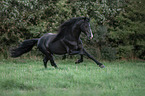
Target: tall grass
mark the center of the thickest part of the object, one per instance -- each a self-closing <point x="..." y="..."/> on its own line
<point x="23" y="77"/>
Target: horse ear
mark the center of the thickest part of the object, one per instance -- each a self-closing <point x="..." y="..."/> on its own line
<point x="85" y="18"/>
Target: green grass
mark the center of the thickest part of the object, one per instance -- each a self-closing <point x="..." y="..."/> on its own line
<point x="20" y="77"/>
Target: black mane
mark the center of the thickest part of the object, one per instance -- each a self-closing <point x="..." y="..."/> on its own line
<point x="67" y="26"/>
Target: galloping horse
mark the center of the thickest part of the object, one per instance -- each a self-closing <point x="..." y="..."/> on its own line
<point x="66" y="41"/>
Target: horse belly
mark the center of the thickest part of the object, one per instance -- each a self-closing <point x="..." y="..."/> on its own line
<point x="57" y="48"/>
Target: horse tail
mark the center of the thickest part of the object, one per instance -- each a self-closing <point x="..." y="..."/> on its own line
<point x="24" y="47"/>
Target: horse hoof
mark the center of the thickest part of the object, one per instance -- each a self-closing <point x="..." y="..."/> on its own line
<point x="78" y="61"/>
<point x="101" y="66"/>
<point x="55" y="67"/>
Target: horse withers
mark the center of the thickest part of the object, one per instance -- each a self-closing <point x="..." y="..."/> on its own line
<point x="66" y="41"/>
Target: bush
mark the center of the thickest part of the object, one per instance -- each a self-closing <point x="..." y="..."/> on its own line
<point x="117" y="30"/>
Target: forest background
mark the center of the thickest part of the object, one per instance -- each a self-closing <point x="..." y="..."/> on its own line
<point x="118" y="25"/>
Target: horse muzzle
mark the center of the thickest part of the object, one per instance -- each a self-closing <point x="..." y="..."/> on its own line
<point x="91" y="35"/>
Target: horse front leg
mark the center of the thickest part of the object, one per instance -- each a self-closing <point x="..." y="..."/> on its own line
<point x="91" y="57"/>
<point x="80" y="47"/>
<point x="80" y="60"/>
<point x="66" y="47"/>
<point x="64" y="57"/>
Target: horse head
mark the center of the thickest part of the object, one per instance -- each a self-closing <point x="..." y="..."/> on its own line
<point x="85" y="27"/>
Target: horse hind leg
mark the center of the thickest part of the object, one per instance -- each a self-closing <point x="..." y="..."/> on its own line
<point x="52" y="61"/>
<point x="48" y="56"/>
<point x="45" y="60"/>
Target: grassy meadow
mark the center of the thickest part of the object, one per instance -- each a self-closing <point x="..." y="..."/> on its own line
<point x="28" y="77"/>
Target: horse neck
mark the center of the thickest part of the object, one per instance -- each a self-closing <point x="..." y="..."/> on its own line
<point x="76" y="32"/>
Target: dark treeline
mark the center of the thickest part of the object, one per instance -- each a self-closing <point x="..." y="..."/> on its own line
<point x="118" y="25"/>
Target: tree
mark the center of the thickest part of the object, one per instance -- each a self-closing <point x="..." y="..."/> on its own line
<point x="127" y="32"/>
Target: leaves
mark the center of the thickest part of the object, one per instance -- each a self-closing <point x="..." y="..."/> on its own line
<point x="114" y="22"/>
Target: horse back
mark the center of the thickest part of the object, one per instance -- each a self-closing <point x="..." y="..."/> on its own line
<point x="46" y="43"/>
<point x="45" y="40"/>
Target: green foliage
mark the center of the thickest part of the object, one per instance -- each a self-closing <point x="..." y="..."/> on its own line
<point x="128" y="33"/>
<point x="116" y="24"/>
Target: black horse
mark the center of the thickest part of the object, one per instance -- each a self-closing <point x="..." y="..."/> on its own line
<point x="67" y="41"/>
